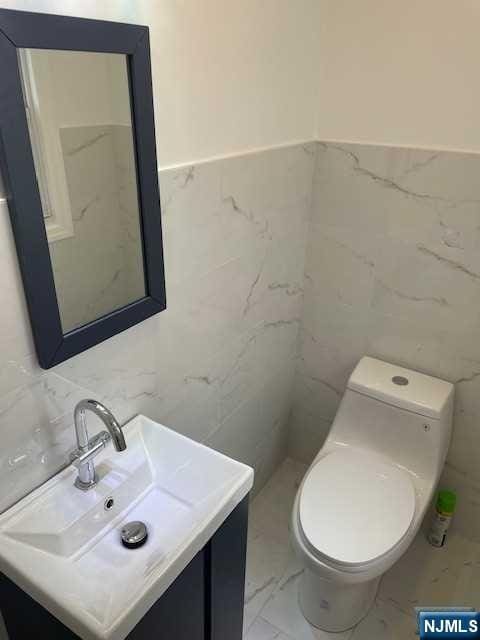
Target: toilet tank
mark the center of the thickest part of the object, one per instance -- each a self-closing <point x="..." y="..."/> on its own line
<point x="402" y="414"/>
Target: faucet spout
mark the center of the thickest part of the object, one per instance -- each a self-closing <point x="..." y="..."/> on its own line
<point x="105" y="415"/>
<point x="89" y="448"/>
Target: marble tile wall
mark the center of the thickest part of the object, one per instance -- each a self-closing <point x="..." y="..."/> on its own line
<point x="393" y="271"/>
<point x="219" y="364"/>
<point x="99" y="268"/>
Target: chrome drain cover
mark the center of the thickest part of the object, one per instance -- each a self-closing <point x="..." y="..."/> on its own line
<point x="134" y="534"/>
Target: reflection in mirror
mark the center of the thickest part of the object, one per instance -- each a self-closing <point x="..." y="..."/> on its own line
<point x="79" y="118"/>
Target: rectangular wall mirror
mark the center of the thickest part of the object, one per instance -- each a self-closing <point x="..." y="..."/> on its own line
<point x="79" y="163"/>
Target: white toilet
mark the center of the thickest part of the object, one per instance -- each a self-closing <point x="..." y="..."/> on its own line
<point x="365" y="494"/>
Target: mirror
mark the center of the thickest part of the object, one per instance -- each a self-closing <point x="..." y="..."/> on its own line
<point x="78" y="158"/>
<point x="79" y="120"/>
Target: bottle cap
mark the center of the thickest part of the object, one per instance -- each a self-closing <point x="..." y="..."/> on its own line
<point x="446" y="501"/>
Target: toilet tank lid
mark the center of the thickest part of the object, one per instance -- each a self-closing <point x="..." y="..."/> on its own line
<point x="401" y="387"/>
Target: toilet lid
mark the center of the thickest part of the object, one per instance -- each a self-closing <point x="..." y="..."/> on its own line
<point x="355" y="506"/>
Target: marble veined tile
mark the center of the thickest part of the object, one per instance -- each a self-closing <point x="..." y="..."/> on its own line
<point x="266" y="562"/>
<point x="271" y="452"/>
<point x="392" y="271"/>
<point x="37" y="433"/>
<point x="462" y="456"/>
<point x="385" y="622"/>
<point x="467" y="513"/>
<point x="220" y="359"/>
<point x="15" y="337"/>
<point x="200" y="230"/>
<point x="263" y="630"/>
<point x="269" y="553"/>
<point x="307" y="434"/>
<point x="431" y="576"/>
<point x="256" y="428"/>
<point x="102" y="194"/>
<point x="338" y="273"/>
<point x="222" y="317"/>
<point x="283" y="611"/>
<point x="213" y="212"/>
<point x="271" y="511"/>
<point x="267" y="180"/>
<point x="121" y="371"/>
<point x="424" y="575"/>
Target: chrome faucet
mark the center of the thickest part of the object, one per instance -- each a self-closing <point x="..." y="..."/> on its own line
<point x="88" y="448"/>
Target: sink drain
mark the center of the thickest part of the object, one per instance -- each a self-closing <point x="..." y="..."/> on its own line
<point x="134" y="534"/>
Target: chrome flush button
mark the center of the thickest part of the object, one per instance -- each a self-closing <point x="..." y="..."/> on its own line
<point x="134" y="534"/>
<point x="400" y="380"/>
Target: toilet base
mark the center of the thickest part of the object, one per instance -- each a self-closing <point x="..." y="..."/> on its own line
<point x="333" y="606"/>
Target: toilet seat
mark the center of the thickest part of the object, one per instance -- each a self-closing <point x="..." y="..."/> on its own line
<point x="354" y="507"/>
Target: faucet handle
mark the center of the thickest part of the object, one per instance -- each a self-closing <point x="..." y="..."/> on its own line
<point x="95" y="445"/>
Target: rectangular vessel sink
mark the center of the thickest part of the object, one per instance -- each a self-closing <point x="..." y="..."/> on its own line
<point x="62" y="546"/>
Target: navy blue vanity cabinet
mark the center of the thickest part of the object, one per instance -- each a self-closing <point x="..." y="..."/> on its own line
<point x="204" y="603"/>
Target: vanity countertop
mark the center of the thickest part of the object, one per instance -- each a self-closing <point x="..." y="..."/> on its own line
<point x="62" y="546"/>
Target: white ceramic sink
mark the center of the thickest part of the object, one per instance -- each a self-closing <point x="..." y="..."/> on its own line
<point x="63" y="548"/>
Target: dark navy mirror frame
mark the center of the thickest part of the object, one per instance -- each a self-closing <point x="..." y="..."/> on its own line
<point x="19" y="29"/>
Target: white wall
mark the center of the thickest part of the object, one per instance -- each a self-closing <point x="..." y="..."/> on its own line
<point x="402" y="73"/>
<point x="228" y="76"/>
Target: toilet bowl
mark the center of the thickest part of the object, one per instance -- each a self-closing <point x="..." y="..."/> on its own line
<point x="365" y="494"/>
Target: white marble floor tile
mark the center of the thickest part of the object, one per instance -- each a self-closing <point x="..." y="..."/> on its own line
<point x="254" y="603"/>
<point x="424" y="575"/>
<point x="385" y="622"/>
<point x="271" y="510"/>
<point x="266" y="562"/>
<point x="263" y="630"/>
<point x="283" y="611"/>
<point x="431" y="576"/>
<point x="468" y="584"/>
